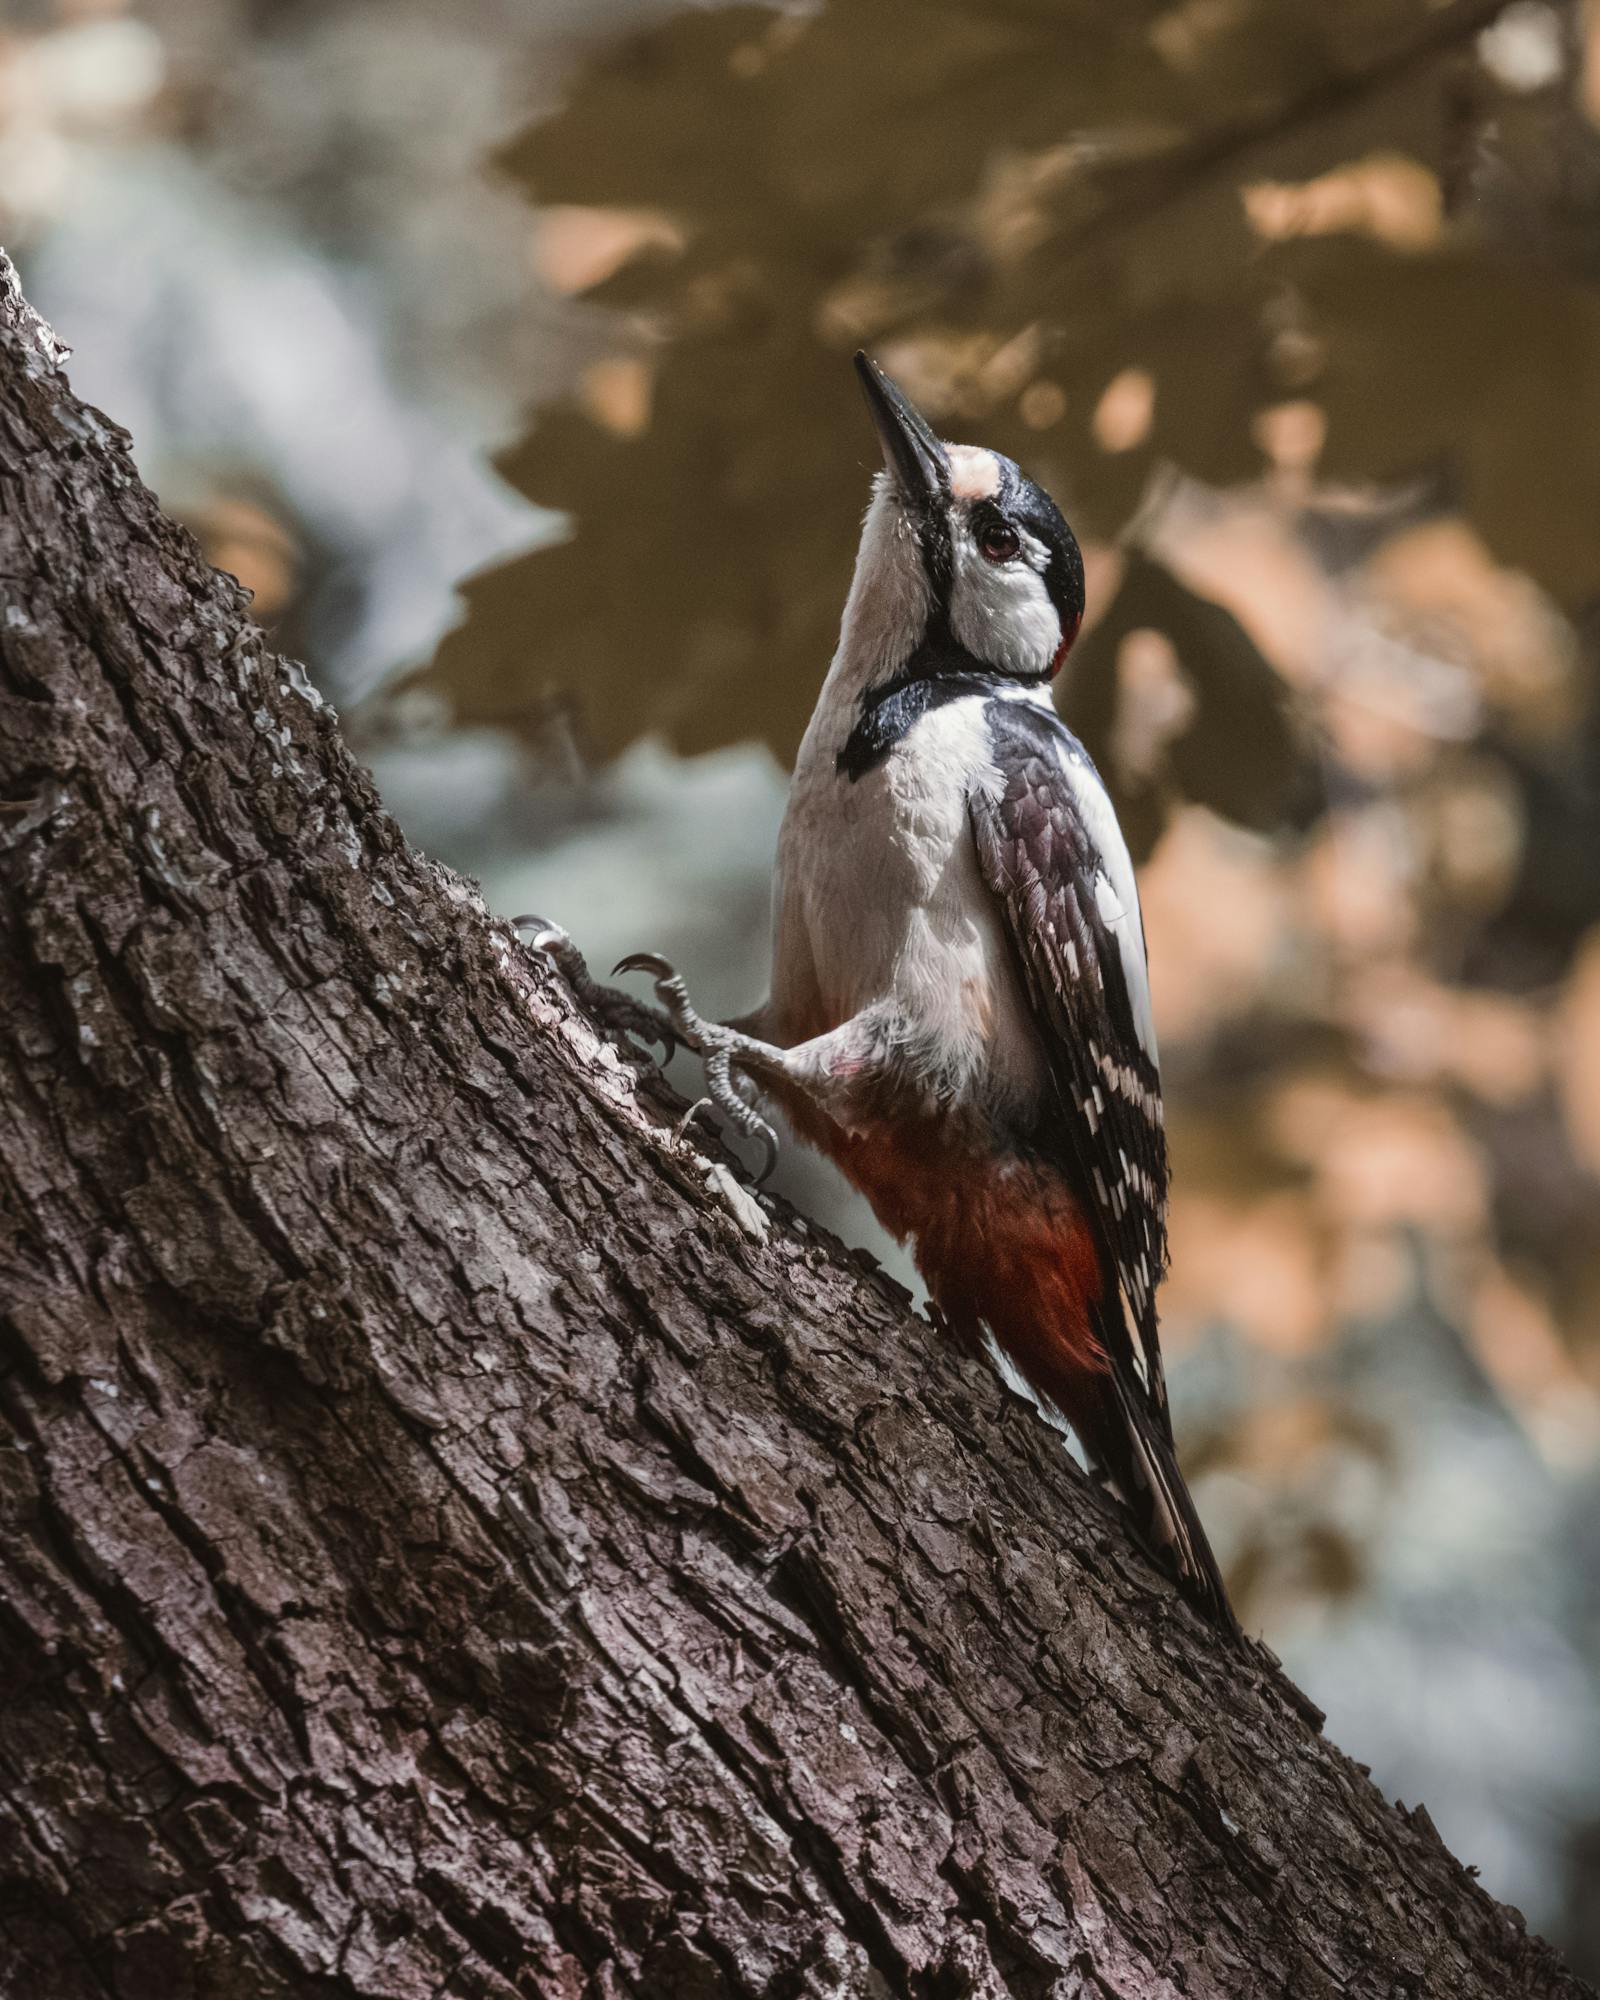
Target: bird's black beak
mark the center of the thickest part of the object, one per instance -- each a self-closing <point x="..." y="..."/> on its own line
<point x="910" y="450"/>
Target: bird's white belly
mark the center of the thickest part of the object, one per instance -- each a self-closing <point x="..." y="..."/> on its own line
<point x="881" y="900"/>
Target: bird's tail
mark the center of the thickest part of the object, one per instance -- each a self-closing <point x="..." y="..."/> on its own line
<point x="1131" y="1444"/>
<point x="1060" y="1326"/>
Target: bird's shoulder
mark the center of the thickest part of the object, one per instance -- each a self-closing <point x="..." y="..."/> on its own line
<point x="1048" y="779"/>
<point x="1050" y="818"/>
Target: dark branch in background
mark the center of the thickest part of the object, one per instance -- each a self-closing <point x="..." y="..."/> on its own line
<point x="1188" y="168"/>
<point x="458" y="1542"/>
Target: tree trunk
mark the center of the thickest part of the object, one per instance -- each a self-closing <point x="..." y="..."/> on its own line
<point x="459" y="1542"/>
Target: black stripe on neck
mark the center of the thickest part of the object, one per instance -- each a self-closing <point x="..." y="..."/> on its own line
<point x="939" y="671"/>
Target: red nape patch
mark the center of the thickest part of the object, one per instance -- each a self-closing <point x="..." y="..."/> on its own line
<point x="1068" y="634"/>
<point x="999" y="1240"/>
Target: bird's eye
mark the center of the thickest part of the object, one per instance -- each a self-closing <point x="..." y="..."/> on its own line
<point x="998" y="542"/>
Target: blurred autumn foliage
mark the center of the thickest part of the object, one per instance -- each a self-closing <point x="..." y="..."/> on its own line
<point x="1294" y="308"/>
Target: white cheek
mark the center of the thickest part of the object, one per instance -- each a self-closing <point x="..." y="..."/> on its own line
<point x="1002" y="614"/>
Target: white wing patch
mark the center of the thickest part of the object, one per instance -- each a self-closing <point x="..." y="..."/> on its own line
<point x="1116" y="891"/>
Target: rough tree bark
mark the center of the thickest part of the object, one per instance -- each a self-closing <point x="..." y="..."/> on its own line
<point x="455" y="1542"/>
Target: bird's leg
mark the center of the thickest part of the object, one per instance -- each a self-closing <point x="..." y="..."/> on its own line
<point x="743" y="1088"/>
<point x="836" y="1071"/>
<point x="717" y="1047"/>
<point x="613" y="1009"/>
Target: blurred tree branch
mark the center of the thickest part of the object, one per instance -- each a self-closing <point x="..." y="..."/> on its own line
<point x="1212" y="154"/>
<point x="458" y="1544"/>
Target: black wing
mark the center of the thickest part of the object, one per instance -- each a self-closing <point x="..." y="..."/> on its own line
<point x="1039" y="855"/>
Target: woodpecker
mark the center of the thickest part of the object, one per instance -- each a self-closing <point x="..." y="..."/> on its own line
<point x="960" y="1008"/>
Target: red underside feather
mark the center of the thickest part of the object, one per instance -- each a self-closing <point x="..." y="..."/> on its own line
<point x="999" y="1240"/>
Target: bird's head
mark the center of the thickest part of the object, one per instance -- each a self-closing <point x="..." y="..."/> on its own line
<point x="963" y="558"/>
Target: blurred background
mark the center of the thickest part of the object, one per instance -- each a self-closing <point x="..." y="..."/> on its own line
<point x="502" y="351"/>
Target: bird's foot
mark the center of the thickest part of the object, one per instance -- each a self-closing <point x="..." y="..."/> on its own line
<point x="613" y="1009"/>
<point x="719" y="1049"/>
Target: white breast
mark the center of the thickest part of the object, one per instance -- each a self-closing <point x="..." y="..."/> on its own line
<point x="880" y="899"/>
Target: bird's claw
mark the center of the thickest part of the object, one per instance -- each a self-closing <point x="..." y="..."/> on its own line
<point x="717" y="1047"/>
<point x="547" y="937"/>
<point x="680" y="1131"/>
<point x="619" y="1012"/>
